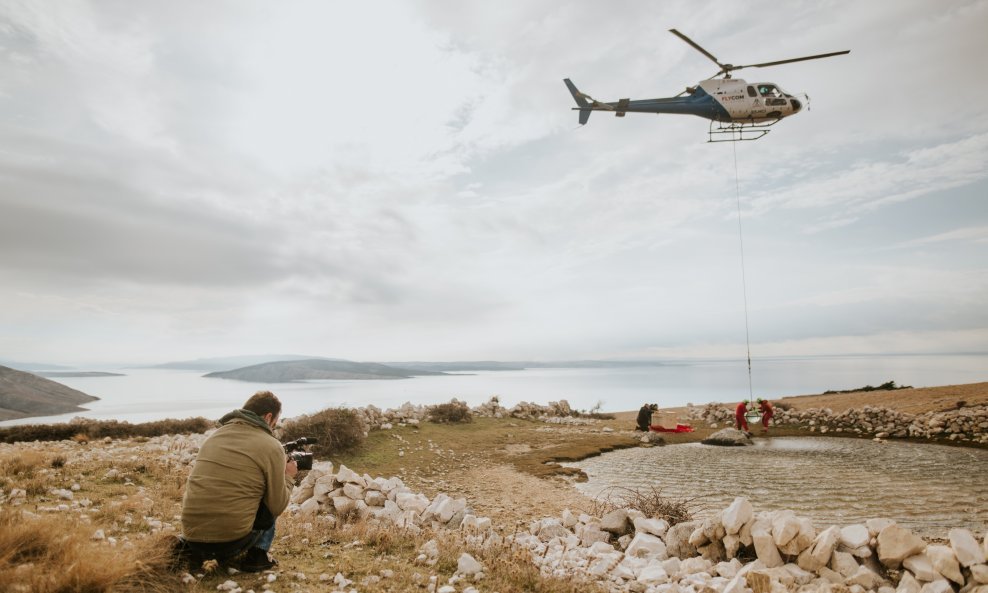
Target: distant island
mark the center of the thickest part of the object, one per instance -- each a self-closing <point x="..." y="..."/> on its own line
<point x="57" y="374"/>
<point x="495" y="365"/>
<point x="317" y="369"/>
<point x="23" y="395"/>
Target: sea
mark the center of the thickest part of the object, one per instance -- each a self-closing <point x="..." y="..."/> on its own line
<point x="146" y="394"/>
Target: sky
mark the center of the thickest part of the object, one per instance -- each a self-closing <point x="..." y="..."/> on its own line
<point x="407" y="181"/>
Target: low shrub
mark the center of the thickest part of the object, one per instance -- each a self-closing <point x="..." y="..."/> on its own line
<point x="339" y="430"/>
<point x="454" y="412"/>
<point x="83" y="430"/>
<point x="650" y="501"/>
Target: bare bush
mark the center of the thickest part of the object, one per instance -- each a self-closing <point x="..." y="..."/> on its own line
<point x="339" y="430"/>
<point x="650" y="501"/>
<point x="454" y="412"/>
<point x="82" y="430"/>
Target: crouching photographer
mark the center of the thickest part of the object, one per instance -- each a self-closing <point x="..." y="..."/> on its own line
<point x="240" y="484"/>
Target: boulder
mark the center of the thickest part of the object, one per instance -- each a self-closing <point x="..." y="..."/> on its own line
<point x="765" y="547"/>
<point x="736" y="515"/>
<point x="818" y="555"/>
<point x="844" y="563"/>
<point x="866" y="578"/>
<point x="895" y="544"/>
<point x="467" y="565"/>
<point x="854" y="536"/>
<point x="966" y="547"/>
<point x="979" y="572"/>
<point x="908" y="584"/>
<point x="616" y="522"/>
<point x="677" y="539"/>
<point x="938" y="586"/>
<point x="785" y="526"/>
<point x="646" y="545"/>
<point x="728" y="437"/>
<point x="921" y="567"/>
<point x="945" y="562"/>
<point x="657" y="527"/>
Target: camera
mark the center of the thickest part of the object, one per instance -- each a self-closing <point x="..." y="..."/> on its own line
<point x="296" y="450"/>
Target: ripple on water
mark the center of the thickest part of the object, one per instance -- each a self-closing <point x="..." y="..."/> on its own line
<point x="927" y="488"/>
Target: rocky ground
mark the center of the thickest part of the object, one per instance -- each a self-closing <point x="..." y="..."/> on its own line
<point x="504" y="471"/>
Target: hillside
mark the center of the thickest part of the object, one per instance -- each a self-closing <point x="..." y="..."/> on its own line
<point x="23" y="395"/>
<point x="317" y="369"/>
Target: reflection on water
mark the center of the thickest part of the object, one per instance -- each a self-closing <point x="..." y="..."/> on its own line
<point x="835" y="481"/>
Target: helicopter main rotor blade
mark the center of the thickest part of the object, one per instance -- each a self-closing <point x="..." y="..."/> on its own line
<point x="816" y="57"/>
<point x="697" y="47"/>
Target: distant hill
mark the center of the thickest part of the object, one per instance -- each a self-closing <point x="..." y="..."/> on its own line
<point x="232" y="362"/>
<point x="317" y="369"/>
<point x="23" y="395"/>
<point x="57" y="374"/>
<point x="494" y="365"/>
<point x="32" y="366"/>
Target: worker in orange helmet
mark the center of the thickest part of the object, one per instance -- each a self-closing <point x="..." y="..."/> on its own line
<point x="740" y="422"/>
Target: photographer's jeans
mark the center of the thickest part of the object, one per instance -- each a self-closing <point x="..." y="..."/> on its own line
<point x="223" y="550"/>
<point x="264" y="539"/>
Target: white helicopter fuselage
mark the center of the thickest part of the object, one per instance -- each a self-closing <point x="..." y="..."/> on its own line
<point x="754" y="102"/>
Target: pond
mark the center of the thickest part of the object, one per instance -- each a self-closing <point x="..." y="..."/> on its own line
<point x="835" y="481"/>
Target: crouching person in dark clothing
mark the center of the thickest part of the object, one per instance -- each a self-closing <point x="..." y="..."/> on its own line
<point x="644" y="421"/>
<point x="240" y="483"/>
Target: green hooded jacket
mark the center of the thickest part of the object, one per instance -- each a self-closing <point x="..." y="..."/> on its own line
<point x="238" y="466"/>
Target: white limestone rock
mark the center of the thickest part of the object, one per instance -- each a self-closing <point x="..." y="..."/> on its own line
<point x="309" y="508"/>
<point x="908" y="584"/>
<point x="979" y="573"/>
<point x="616" y="522"/>
<point x="467" y="565"/>
<point x="653" y="574"/>
<point x="945" y="562"/>
<point x="345" y="474"/>
<point x="895" y="544"/>
<point x="736" y="515"/>
<point x="646" y="545"/>
<point x="854" y="536"/>
<point x="866" y="578"/>
<point x="353" y="491"/>
<point x="938" y="586"/>
<point x="844" y="563"/>
<point x="921" y="567"/>
<point x="785" y="526"/>
<point x="656" y="527"/>
<point x="965" y="547"/>
<point x="765" y="546"/>
<point x="818" y="555"/>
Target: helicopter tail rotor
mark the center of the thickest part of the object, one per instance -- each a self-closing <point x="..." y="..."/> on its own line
<point x="584" y="107"/>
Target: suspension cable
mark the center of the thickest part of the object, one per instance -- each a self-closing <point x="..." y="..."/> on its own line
<point x="744" y="284"/>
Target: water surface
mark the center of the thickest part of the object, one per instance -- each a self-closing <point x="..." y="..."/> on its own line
<point x="835" y="481"/>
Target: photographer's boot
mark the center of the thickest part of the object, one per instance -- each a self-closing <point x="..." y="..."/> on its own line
<point x="257" y="560"/>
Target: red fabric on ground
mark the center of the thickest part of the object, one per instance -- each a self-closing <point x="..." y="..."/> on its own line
<point x="679" y="428"/>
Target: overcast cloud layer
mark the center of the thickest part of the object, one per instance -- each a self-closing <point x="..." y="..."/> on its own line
<point x="407" y="181"/>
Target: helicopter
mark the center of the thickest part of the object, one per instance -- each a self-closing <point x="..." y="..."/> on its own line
<point x="736" y="109"/>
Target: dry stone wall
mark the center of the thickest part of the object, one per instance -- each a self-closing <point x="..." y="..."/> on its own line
<point x="967" y="424"/>
<point x="737" y="550"/>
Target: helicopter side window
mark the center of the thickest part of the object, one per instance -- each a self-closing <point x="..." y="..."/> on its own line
<point x="751" y="92"/>
<point x="768" y="90"/>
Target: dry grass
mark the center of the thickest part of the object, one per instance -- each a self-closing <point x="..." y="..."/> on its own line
<point x="47" y="554"/>
<point x="82" y="430"/>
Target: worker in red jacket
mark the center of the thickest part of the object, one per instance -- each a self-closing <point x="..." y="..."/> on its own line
<point x="740" y="422"/>
<point x="765" y="407"/>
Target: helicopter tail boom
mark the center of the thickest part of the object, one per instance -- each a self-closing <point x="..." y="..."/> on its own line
<point x="581" y="101"/>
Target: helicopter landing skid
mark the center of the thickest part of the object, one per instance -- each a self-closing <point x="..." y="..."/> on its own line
<point x="738" y="131"/>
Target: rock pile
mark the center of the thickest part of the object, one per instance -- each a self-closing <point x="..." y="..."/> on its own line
<point x="629" y="552"/>
<point x="555" y="412"/>
<point x="968" y="424"/>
